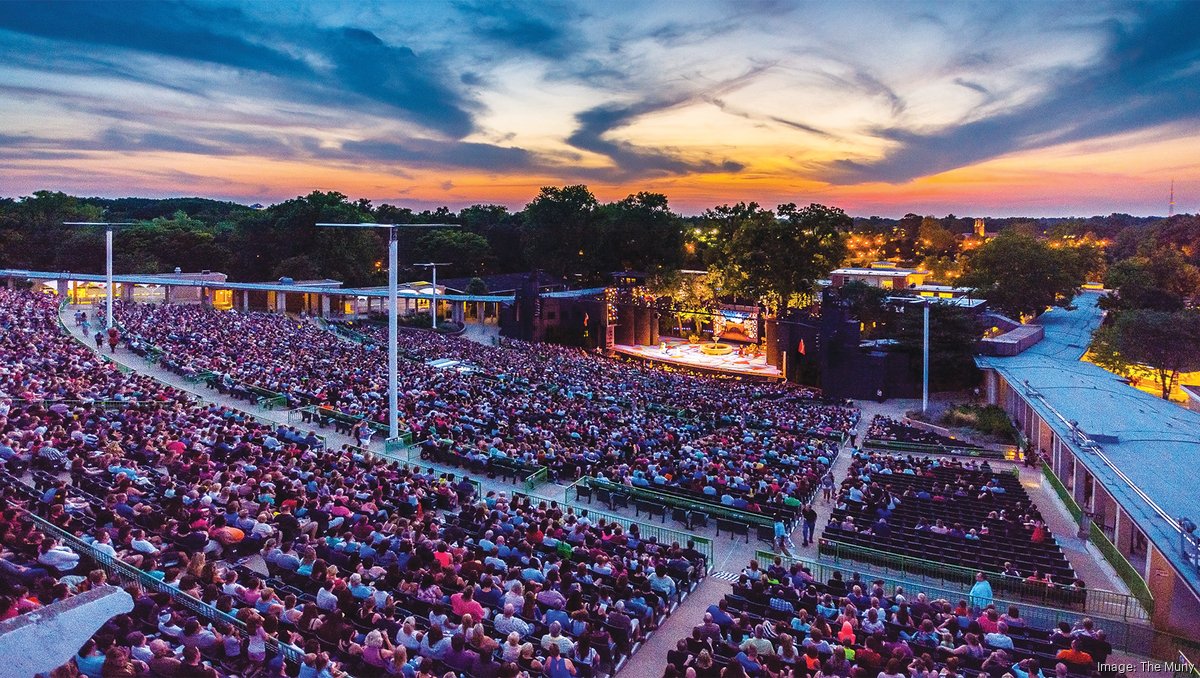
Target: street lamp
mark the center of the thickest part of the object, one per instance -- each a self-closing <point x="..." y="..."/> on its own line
<point x="393" y="345"/>
<point x="108" y="274"/>
<point x="433" y="304"/>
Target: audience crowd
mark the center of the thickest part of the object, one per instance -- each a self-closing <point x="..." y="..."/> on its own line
<point x="947" y="510"/>
<point x="894" y="430"/>
<point x="365" y="563"/>
<point x="781" y="622"/>
<point x="539" y="405"/>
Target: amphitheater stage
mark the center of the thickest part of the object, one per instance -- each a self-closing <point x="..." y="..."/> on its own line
<point x="694" y="356"/>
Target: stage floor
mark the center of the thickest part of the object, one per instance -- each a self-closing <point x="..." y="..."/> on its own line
<point x="680" y="352"/>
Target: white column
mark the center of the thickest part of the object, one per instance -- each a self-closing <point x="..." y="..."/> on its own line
<point x="433" y="305"/>
<point x="925" y="363"/>
<point x="108" y="240"/>
<point x="393" y="343"/>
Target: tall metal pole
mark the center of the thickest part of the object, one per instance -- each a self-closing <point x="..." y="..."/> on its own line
<point x="108" y="259"/>
<point x="925" y="363"/>
<point x="393" y="340"/>
<point x="108" y="240"/>
<point x="434" y="304"/>
<point x="393" y="312"/>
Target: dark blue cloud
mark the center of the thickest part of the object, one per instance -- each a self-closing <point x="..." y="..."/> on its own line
<point x="360" y="63"/>
<point x="123" y="139"/>
<point x="1147" y="76"/>
<point x="541" y="29"/>
<point x="634" y="161"/>
<point x="431" y="152"/>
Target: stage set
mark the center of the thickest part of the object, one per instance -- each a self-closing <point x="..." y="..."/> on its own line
<point x="709" y="356"/>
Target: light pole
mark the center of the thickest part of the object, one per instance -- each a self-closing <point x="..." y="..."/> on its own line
<point x="433" y="304"/>
<point x="108" y="249"/>
<point x="393" y="330"/>
<point x="925" y="361"/>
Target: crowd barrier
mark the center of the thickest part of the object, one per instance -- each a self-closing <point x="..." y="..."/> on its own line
<point x="325" y="414"/>
<point x="1127" y="634"/>
<point x="711" y="510"/>
<point x="1090" y="601"/>
<point x="927" y="448"/>
<point x="120" y="571"/>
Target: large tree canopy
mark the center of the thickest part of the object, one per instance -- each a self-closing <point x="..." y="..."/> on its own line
<point x="1160" y="279"/>
<point x="774" y="256"/>
<point x="559" y="225"/>
<point x="1167" y="343"/>
<point x="1022" y="276"/>
<point x="639" y="233"/>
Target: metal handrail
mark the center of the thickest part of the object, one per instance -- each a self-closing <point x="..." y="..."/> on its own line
<point x="125" y="572"/>
<point x="1127" y="635"/>
<point x="663" y="535"/>
<point x="1093" y="601"/>
<point x="714" y="510"/>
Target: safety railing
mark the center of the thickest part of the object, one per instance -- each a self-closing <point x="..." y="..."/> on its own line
<point x="536" y="478"/>
<point x="1092" y="601"/>
<point x="711" y="509"/>
<point x="125" y="573"/>
<point x="1125" y="634"/>
<point x="663" y="535"/>
<point x="350" y="334"/>
<point x="323" y="413"/>
<point x="1185" y="666"/>
<point x="1126" y="571"/>
<point x="103" y="404"/>
<point x="929" y="448"/>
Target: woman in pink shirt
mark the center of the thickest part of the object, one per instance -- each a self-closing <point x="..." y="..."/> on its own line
<point x="464" y="603"/>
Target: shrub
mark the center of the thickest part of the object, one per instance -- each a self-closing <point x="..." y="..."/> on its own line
<point x="989" y="419"/>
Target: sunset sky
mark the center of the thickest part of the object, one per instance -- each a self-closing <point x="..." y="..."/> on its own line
<point x="989" y="108"/>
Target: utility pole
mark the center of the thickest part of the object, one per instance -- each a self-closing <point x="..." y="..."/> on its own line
<point x="108" y="257"/>
<point x="433" y="305"/>
<point x="925" y="362"/>
<point x="393" y="303"/>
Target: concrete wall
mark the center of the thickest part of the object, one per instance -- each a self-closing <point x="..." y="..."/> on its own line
<point x="42" y="640"/>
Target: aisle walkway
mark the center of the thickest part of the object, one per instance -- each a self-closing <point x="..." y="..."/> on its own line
<point x="1085" y="558"/>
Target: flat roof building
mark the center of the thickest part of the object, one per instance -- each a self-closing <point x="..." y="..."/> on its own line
<point x="1124" y="456"/>
<point x="883" y="274"/>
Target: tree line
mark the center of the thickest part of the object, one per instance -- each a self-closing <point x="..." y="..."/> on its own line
<point x="753" y="254"/>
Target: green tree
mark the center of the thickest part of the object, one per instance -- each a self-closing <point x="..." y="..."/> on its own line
<point x="477" y="287"/>
<point x="934" y="239"/>
<point x="503" y="232"/>
<point x="639" y="233"/>
<point x="284" y="240"/>
<point x="1162" y="280"/>
<point x="773" y="258"/>
<point x="39" y="239"/>
<point x="466" y="252"/>
<point x="1166" y="343"/>
<point x="559" y="226"/>
<point x="868" y="305"/>
<point x="1022" y="276"/>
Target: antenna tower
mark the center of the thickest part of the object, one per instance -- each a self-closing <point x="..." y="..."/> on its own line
<point x="1171" y="203"/>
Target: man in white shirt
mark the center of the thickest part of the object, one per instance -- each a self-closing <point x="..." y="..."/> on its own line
<point x="59" y="557"/>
